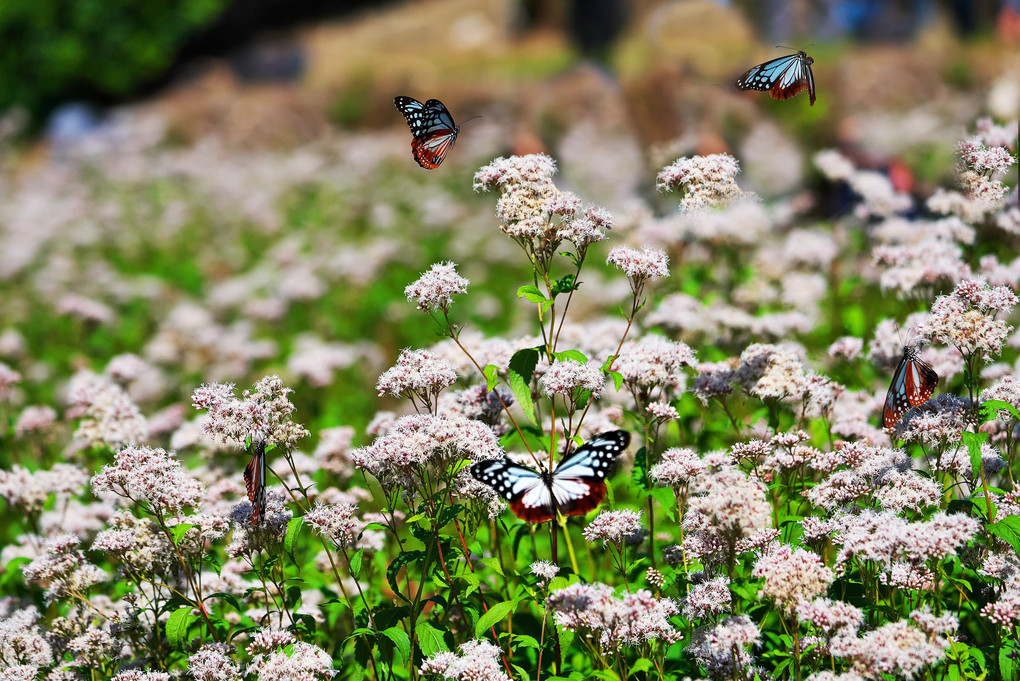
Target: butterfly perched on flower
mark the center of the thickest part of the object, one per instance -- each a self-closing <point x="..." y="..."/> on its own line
<point x="783" y="77"/>
<point x="912" y="385"/>
<point x="255" y="481"/>
<point x="575" y="487"/>
<point x="432" y="129"/>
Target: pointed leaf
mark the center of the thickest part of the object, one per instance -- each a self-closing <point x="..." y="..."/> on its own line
<point x="290" y="540"/>
<point x="496" y="613"/>
<point x="974" y="442"/>
<point x="401" y="641"/>
<point x="177" y="627"/>
<point x="356" y="561"/>
<point x="522" y="367"/>
<point x="430" y="639"/>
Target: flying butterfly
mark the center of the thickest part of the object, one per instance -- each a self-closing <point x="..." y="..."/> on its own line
<point x="575" y="487"/>
<point x="912" y="385"/>
<point x="782" y="77"/>
<point x="432" y="129"/>
<point x="255" y="481"/>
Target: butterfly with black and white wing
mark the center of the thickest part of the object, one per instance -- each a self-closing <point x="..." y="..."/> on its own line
<point x="433" y="131"/>
<point x="912" y="385"/>
<point x="575" y="487"/>
<point x="782" y="77"/>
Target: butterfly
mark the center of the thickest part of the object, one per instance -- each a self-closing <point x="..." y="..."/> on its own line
<point x="783" y="77"/>
<point x="575" y="487"/>
<point x="255" y="481"/>
<point x="912" y="385"/>
<point x="432" y="129"/>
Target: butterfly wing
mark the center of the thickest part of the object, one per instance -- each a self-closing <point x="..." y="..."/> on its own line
<point x="432" y="129"/>
<point x="913" y="383"/>
<point x="523" y="488"/>
<point x="783" y="77"/>
<point x="255" y="481"/>
<point x="578" y="483"/>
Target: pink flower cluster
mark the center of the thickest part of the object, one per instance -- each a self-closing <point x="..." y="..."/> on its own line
<point x="792" y="575"/>
<point x="417" y="441"/>
<point x="723" y="649"/>
<point x="966" y="319"/>
<point x="707" y="599"/>
<point x="529" y="201"/>
<point x="150" y="476"/>
<point x="706" y="181"/>
<point x="639" y="266"/>
<point x="336" y="522"/>
<point x="478" y="661"/>
<point x="616" y="527"/>
<point x="677" y="467"/>
<point x="420" y="373"/>
<point x="611" y="622"/>
<point x="263" y="413"/>
<point x="435" y="289"/>
<point x="567" y="376"/>
<point x="654" y="361"/>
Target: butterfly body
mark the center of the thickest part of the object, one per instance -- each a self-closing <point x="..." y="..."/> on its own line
<point x="575" y="487"/>
<point x="783" y="77"/>
<point x="433" y="132"/>
<point x="912" y="385"/>
<point x="255" y="481"/>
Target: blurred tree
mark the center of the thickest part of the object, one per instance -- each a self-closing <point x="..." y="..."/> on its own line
<point x="98" y="50"/>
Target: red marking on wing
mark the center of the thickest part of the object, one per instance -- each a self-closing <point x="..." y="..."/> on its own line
<point x="426" y="154"/>
<point x="256" y="486"/>
<point x="531" y="514"/>
<point x="587" y="503"/>
<point x="790" y="90"/>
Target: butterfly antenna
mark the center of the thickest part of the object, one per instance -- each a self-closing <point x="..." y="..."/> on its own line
<point x="471" y="119"/>
<point x="787" y="47"/>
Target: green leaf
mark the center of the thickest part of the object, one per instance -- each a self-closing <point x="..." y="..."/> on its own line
<point x="566" y="283"/>
<point x="290" y="540"/>
<point x="401" y="641"/>
<point x="448" y="513"/>
<point x="974" y="442"/>
<point x="575" y="355"/>
<point x="404" y="558"/>
<point x="491" y="373"/>
<point x="642" y="664"/>
<point x="430" y="639"/>
<point x="494" y="564"/>
<point x="533" y="294"/>
<point x="667" y="500"/>
<point x="1008" y="530"/>
<point x="177" y="627"/>
<point x="227" y="598"/>
<point x="178" y="532"/>
<point x="1007" y="665"/>
<point x="356" y="561"/>
<point x="639" y="474"/>
<point x="496" y="613"/>
<point x="525" y="641"/>
<point x="991" y="408"/>
<point x="617" y="379"/>
<point x="522" y="368"/>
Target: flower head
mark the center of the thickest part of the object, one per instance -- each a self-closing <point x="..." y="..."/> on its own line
<point x="478" y="661"/>
<point x="706" y="181"/>
<point x="966" y="319"/>
<point x="263" y="413"/>
<point x="612" y="622"/>
<point x="434" y="290"/>
<point x="568" y="376"/>
<point x="615" y="527"/>
<point x="640" y="266"/>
